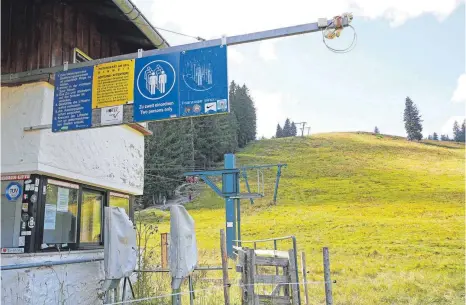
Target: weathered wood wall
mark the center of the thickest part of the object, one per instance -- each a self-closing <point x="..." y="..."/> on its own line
<point x="40" y="34"/>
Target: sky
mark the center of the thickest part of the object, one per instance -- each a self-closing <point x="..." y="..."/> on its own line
<point x="404" y="48"/>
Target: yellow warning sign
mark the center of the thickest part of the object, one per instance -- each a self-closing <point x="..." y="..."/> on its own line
<point x="113" y="83"/>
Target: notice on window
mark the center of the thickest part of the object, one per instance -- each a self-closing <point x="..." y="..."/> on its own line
<point x="63" y="198"/>
<point x="50" y="217"/>
<point x="113" y="84"/>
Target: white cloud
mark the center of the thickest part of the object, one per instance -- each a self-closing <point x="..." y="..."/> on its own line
<point x="267" y="50"/>
<point x="460" y="92"/>
<point x="235" y="56"/>
<point x="270" y="111"/>
<point x="448" y="126"/>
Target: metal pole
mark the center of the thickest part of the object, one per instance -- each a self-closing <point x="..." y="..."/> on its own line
<point x="275" y="192"/>
<point x="191" y="292"/>
<point x="176" y="296"/>
<point x="123" y="297"/>
<point x="238" y="217"/>
<point x="328" y="282"/>
<point x="295" y="250"/>
<point x="245" y="176"/>
<point x="232" y="40"/>
<point x="229" y="187"/>
<point x="275" y="248"/>
<point x="131" y="287"/>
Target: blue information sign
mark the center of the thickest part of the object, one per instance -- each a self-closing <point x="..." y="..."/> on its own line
<point x="156" y="87"/>
<point x="72" y="106"/>
<point x="182" y="84"/>
<point x="203" y="81"/>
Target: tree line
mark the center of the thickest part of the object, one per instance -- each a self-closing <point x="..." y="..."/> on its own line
<point x="289" y="130"/>
<point x="413" y="126"/>
<point x="196" y="143"/>
<point x="459" y="133"/>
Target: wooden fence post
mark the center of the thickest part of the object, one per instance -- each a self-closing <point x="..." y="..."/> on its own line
<point x="303" y="269"/>
<point x="328" y="281"/>
<point x="226" y="282"/>
<point x="164" y="250"/>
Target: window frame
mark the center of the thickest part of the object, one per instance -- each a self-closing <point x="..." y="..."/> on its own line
<point x="41" y="215"/>
<point x="106" y="193"/>
<point x="103" y="192"/>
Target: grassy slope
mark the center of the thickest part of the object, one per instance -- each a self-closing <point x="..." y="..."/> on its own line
<point x="391" y="212"/>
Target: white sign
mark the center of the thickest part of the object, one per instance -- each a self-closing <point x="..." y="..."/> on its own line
<point x="22" y="241"/>
<point x="111" y="115"/>
<point x="24" y="233"/>
<point x="62" y="199"/>
<point x="12" y="250"/>
<point x="50" y="216"/>
<point x="14" y="177"/>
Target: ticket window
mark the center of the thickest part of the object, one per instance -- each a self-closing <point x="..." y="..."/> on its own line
<point x="60" y="214"/>
<point x="11" y="216"/>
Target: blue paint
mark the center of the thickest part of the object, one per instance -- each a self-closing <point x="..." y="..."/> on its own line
<point x="13" y="191"/>
<point x="181" y="84"/>
<point x="229" y="181"/>
<point x="72" y="100"/>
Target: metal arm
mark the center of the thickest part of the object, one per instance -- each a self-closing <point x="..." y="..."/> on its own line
<point x="232" y="40"/>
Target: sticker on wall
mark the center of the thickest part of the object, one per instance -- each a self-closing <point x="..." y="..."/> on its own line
<point x="33" y="198"/>
<point x="21" y="241"/>
<point x="37" y="181"/>
<point x="13" y="191"/>
<point x="24" y="217"/>
<point x="25" y="206"/>
<point x="23" y="226"/>
<point x="50" y="216"/>
<point x="25" y="233"/>
<point x="31" y="222"/>
<point x="12" y="250"/>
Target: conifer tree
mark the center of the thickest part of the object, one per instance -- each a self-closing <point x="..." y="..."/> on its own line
<point x="413" y="122"/>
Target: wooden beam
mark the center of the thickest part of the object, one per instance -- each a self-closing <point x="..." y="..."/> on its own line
<point x="273" y="300"/>
<point x="304" y="273"/>
<point x="226" y="281"/>
<point x="271" y="261"/>
<point x="270" y="279"/>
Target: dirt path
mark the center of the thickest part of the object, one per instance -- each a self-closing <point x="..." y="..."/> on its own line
<point x="181" y="197"/>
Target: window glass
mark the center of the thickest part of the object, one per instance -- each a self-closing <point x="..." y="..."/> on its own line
<point x="120" y="201"/>
<point x="60" y="215"/>
<point x="91" y="217"/>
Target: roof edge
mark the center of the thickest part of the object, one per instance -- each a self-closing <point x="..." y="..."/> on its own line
<point x="139" y="20"/>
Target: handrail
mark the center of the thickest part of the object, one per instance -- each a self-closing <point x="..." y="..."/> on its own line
<point x="265" y="240"/>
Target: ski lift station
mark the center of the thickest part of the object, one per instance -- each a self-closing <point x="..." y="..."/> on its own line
<point x="80" y="80"/>
<point x="55" y="186"/>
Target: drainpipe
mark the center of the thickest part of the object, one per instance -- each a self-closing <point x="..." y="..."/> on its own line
<point x="135" y="16"/>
